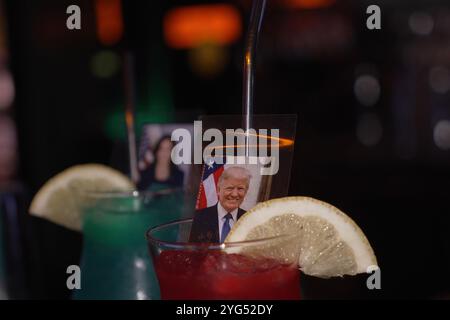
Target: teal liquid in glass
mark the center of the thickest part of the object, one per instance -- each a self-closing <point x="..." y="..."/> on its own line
<point x="115" y="262"/>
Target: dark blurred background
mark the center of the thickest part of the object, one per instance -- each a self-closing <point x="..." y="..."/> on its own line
<point x="373" y="106"/>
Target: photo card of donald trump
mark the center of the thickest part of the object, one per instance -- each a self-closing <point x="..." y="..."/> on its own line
<point x="227" y="190"/>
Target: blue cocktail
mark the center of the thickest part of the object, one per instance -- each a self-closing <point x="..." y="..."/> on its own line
<point x="115" y="262"/>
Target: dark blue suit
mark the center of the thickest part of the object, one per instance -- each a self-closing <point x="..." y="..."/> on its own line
<point x="205" y="227"/>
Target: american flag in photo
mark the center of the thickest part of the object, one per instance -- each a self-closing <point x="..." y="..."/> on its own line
<point x="207" y="194"/>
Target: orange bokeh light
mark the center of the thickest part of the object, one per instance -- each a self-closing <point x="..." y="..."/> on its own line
<point x="308" y="4"/>
<point x="109" y="21"/>
<point x="188" y="27"/>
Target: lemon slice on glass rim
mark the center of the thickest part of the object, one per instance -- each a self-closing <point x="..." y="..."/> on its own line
<point x="323" y="240"/>
<point x="59" y="200"/>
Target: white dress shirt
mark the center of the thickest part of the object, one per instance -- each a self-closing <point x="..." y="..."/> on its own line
<point x="221" y="217"/>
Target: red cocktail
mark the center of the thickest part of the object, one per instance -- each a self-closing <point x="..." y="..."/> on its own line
<point x="195" y="271"/>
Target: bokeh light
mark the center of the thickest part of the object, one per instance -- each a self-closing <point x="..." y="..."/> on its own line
<point x="441" y="134"/>
<point x="308" y="4"/>
<point x="188" y="27"/>
<point x="7" y="90"/>
<point x="105" y="64"/>
<point x="208" y="60"/>
<point x="439" y="79"/>
<point x="367" y="90"/>
<point x="109" y="21"/>
<point x="421" y="23"/>
<point x="369" y="130"/>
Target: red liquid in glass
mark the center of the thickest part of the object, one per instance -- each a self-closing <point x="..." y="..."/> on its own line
<point x="197" y="275"/>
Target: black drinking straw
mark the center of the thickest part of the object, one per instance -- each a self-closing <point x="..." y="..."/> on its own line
<point x="129" y="114"/>
<point x="256" y="17"/>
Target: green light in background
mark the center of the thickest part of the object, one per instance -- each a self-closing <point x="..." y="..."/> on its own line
<point x="105" y="64"/>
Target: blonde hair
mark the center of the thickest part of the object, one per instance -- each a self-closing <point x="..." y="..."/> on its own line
<point x="237" y="172"/>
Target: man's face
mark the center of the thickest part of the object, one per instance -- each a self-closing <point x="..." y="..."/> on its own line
<point x="232" y="192"/>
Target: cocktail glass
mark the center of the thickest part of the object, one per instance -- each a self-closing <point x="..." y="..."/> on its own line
<point x="115" y="263"/>
<point x="209" y="271"/>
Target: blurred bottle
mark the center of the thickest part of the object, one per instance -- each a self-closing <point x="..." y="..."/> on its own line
<point x="12" y="214"/>
<point x="3" y="295"/>
<point x="12" y="275"/>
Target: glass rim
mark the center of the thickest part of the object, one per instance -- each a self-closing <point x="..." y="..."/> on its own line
<point x="127" y="194"/>
<point x="104" y="200"/>
<point x="203" y="246"/>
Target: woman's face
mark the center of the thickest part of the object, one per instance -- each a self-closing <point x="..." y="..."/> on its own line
<point x="164" y="151"/>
